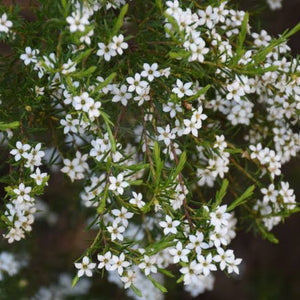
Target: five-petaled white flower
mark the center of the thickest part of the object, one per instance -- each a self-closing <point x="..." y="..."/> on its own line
<point x="5" y="24"/>
<point x="179" y="253"/>
<point x="38" y="176"/>
<point x="85" y="267"/>
<point x="169" y="225"/>
<point x="122" y="216"/>
<point x="148" y="265"/>
<point x="119" y="263"/>
<point x="137" y="200"/>
<point x="150" y="71"/>
<point x="116" y="231"/>
<point x="117" y="184"/>
<point x="182" y="89"/>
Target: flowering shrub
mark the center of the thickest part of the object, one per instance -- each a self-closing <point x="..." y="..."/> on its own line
<point x="174" y="119"/>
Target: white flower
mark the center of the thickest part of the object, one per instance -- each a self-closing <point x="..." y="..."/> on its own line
<point x="85" y="267"/>
<point x="116" y="231"/>
<point x="38" y="176"/>
<point x="5" y="24"/>
<point x="122" y="216"/>
<point x="270" y="194"/>
<point x="137" y="200"/>
<point x="121" y="94"/>
<point x="83" y="102"/>
<point x="119" y="263"/>
<point x="172" y="108"/>
<point x="117" y="184"/>
<point x="191" y="126"/>
<point x="78" y="21"/>
<point x="23" y="193"/>
<point x="169" y="225"/>
<point x="136" y="83"/>
<point x="206" y="265"/>
<point x="224" y="257"/>
<point x="105" y="261"/>
<point x="179" y="254"/>
<point x="129" y="278"/>
<point x="165" y="135"/>
<point x="20" y="150"/>
<point x="118" y="44"/>
<point x="106" y="50"/>
<point x="190" y="271"/>
<point x="29" y="56"/>
<point x="150" y="71"/>
<point x="182" y="89"/>
<point x="219" y="217"/>
<point x="68" y="67"/>
<point x="232" y="266"/>
<point x="197" y="242"/>
<point x="148" y="265"/>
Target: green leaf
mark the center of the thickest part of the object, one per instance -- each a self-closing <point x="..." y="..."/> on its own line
<point x="11" y="125"/>
<point x="179" y="54"/>
<point x="267" y="235"/>
<point x="110" y="134"/>
<point x="241" y="39"/>
<point x="84" y="73"/>
<point x="166" y="272"/>
<point x="160" y="245"/>
<point x="101" y="206"/>
<point x="75" y="280"/>
<point x="199" y="93"/>
<point x="136" y="182"/>
<point x="175" y="27"/>
<point x="158" y="162"/>
<point x="106" y="82"/>
<point x="119" y="21"/>
<point x="158" y="285"/>
<point x="242" y="199"/>
<point x="82" y="55"/>
<point x="180" y="165"/>
<point x="221" y="193"/>
<point x="159" y="4"/>
<point x="136" y="290"/>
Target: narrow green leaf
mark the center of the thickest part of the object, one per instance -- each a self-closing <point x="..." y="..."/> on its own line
<point x="242" y="199"/>
<point x="136" y="182"/>
<point x="241" y="39"/>
<point x="106" y="82"/>
<point x="158" y="285"/>
<point x="166" y="272"/>
<point x="84" y="73"/>
<point x="136" y="290"/>
<point x="267" y="235"/>
<point x="199" y="93"/>
<point x="11" y="125"/>
<point x="75" y="280"/>
<point x="119" y="21"/>
<point x="110" y="134"/>
<point x="180" y="165"/>
<point x="82" y="55"/>
<point x="180" y="279"/>
<point x="221" y="193"/>
<point x="158" y="162"/>
<point x="179" y="54"/>
<point x="159" y="4"/>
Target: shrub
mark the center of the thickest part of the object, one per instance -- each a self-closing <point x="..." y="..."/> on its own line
<point x="173" y="118"/>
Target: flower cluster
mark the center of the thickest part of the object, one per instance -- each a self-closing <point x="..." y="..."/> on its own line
<point x="10" y="265"/>
<point x="20" y="209"/>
